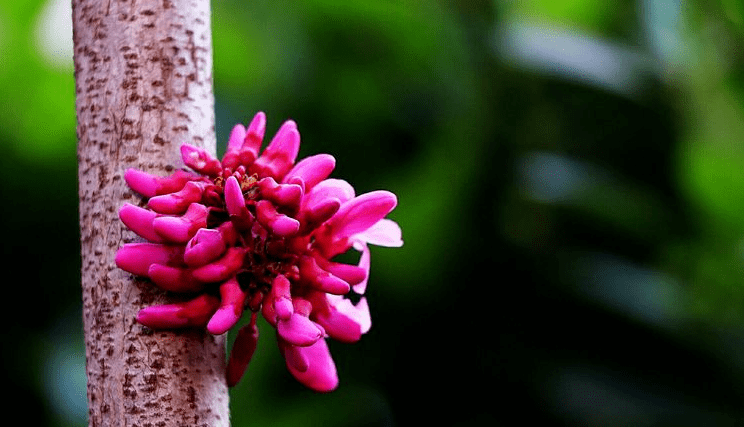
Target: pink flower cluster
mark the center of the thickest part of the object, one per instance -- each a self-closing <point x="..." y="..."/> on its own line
<point x="259" y="232"/>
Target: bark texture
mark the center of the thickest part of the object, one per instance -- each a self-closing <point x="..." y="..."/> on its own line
<point x="143" y="73"/>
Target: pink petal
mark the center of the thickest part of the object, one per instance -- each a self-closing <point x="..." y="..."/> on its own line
<point x="211" y="196"/>
<point x="321" y="373"/>
<point x="177" y="203"/>
<point x="136" y="258"/>
<point x="384" y="232"/>
<point x="327" y="189"/>
<point x="142" y="182"/>
<point x="237" y="136"/>
<point x="362" y="212"/>
<point x="274" y="221"/>
<point x="234" y="200"/>
<point x="313" y="214"/>
<point x="242" y="352"/>
<point x="231" y="159"/>
<point x="199" y="160"/>
<point x="294" y="356"/>
<point x="283" y="309"/>
<point x="174" y="279"/>
<point x="358" y="314"/>
<point x="340" y="325"/>
<point x="206" y="246"/>
<point x="140" y="221"/>
<point x="162" y="317"/>
<point x="228" y="233"/>
<point x="364" y="264"/>
<point x="278" y="158"/>
<point x="190" y="313"/>
<point x="253" y="138"/>
<point x="320" y="279"/>
<point x="286" y="142"/>
<point x="275" y="306"/>
<point x="151" y="185"/>
<point x="302" y="306"/>
<point x="222" y="320"/>
<point x="350" y="274"/>
<point x="231" y="307"/>
<point x="235" y="203"/>
<point x="312" y="170"/>
<point x="223" y="268"/>
<point x="286" y="195"/>
<point x="182" y="229"/>
<point x="299" y="330"/>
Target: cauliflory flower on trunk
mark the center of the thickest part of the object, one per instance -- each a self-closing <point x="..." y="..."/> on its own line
<point x="258" y="231"/>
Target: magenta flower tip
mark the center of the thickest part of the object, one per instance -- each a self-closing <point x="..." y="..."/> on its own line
<point x="257" y="126"/>
<point x="330" y="189"/>
<point x="254" y="134"/>
<point x="174" y="279"/>
<point x="180" y="315"/>
<point x="206" y="246"/>
<point x="182" y="229"/>
<point x="141" y="182"/>
<point x="234" y="200"/>
<point x="222" y="320"/>
<point x="136" y="258"/>
<point x="161" y="317"/>
<point x="231" y="159"/>
<point x="343" y="320"/>
<point x="362" y="212"/>
<point x="223" y="268"/>
<point x="231" y="307"/>
<point x="299" y="330"/>
<point x="177" y="203"/>
<point x="242" y="352"/>
<point x="350" y="274"/>
<point x="278" y="158"/>
<point x="237" y="136"/>
<point x="296" y="358"/>
<point x="284" y="309"/>
<point x="258" y="230"/>
<point x="285" y="195"/>
<point x="278" y="223"/>
<point x="312" y="170"/>
<point x="320" y="374"/>
<point x="199" y="160"/>
<point x="383" y="233"/>
<point x="340" y="327"/>
<point x="140" y="221"/>
<point x="150" y="185"/>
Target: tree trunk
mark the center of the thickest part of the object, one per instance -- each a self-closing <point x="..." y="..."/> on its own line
<point x="143" y="82"/>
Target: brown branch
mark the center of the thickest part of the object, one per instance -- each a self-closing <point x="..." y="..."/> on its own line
<point x="143" y="73"/>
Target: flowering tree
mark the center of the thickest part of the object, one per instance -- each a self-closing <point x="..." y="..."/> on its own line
<point x="143" y="86"/>
<point x="256" y="231"/>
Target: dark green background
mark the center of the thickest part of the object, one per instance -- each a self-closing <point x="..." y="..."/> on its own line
<point x="570" y="178"/>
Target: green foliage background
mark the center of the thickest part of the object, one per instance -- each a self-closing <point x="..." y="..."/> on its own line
<point x="571" y="191"/>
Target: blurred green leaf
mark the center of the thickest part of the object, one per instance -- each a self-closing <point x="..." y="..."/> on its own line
<point x="593" y="16"/>
<point x="711" y="160"/>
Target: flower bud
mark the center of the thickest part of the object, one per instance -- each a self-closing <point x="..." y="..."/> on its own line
<point x="275" y="222"/>
<point x="199" y="160"/>
<point x="231" y="307"/>
<point x="242" y="352"/>
<point x="182" y="229"/>
<point x="177" y="203"/>
<point x="190" y="313"/>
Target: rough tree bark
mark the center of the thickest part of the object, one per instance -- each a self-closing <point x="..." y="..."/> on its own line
<point x="143" y="82"/>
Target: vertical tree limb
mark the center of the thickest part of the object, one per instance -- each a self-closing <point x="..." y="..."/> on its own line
<point x="143" y="73"/>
